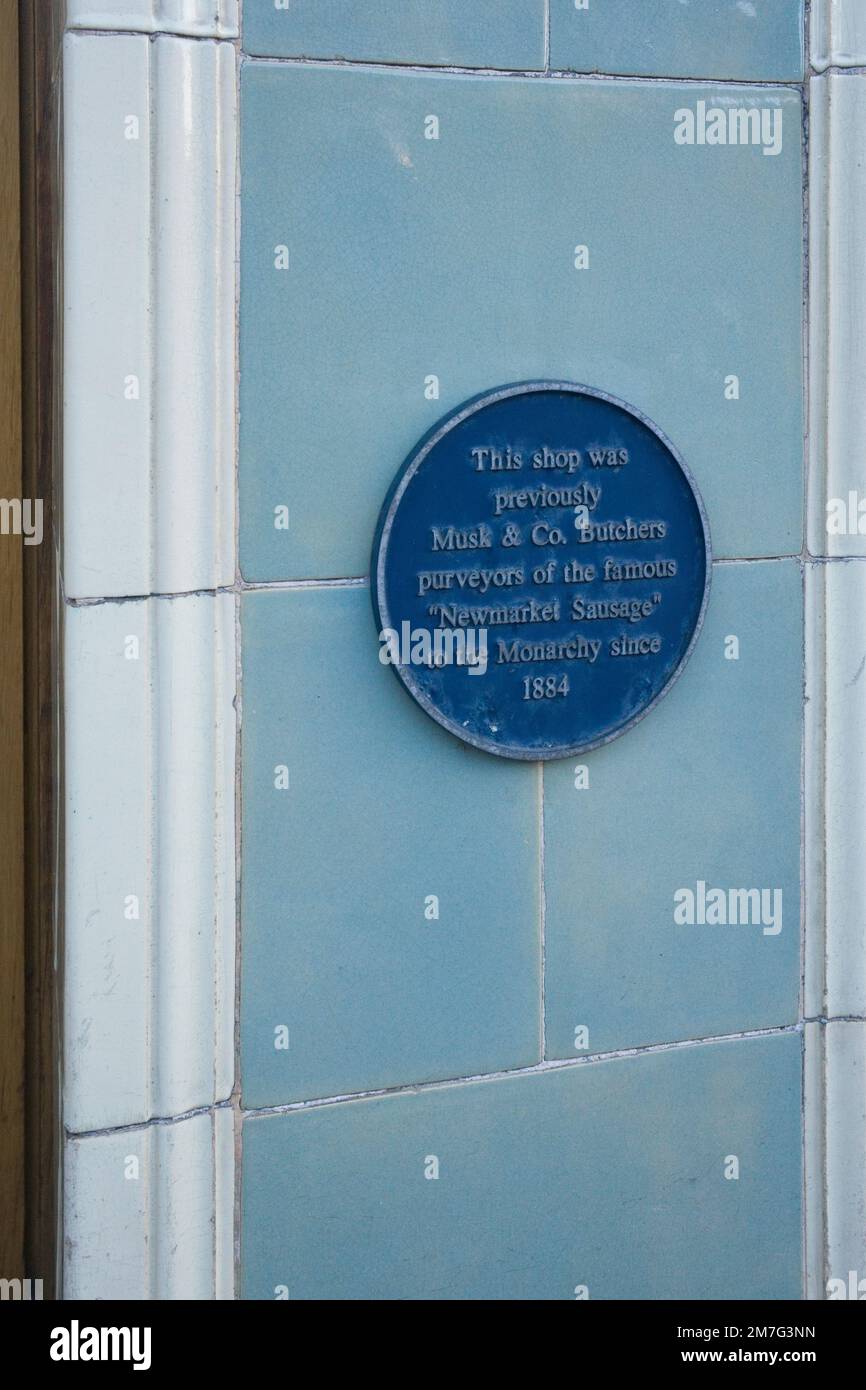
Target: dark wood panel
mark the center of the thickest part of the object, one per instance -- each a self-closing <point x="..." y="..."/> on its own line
<point x="12" y="1161"/>
<point x="40" y="41"/>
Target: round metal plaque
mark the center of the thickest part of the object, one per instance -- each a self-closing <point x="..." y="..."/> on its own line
<point x="540" y="570"/>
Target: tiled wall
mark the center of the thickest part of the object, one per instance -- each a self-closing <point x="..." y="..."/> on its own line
<point x="586" y="1096"/>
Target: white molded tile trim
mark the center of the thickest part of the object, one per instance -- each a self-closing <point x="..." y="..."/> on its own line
<point x="835" y="771"/>
<point x="836" y="789"/>
<point x="815" y="762"/>
<point x="845" y="1082"/>
<point x="148" y="1212"/>
<point x="150" y="859"/>
<point x="149" y="315"/>
<point x="837" y="443"/>
<point x="814" y="1156"/>
<point x="835" y="1102"/>
<point x="199" y="18"/>
<point x="838" y="36"/>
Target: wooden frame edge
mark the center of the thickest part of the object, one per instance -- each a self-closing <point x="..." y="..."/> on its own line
<point x="40" y="33"/>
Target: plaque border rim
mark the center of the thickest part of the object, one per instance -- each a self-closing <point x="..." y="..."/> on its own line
<point x="401" y="481"/>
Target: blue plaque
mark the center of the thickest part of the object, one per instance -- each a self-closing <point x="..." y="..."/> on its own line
<point x="541" y="570"/>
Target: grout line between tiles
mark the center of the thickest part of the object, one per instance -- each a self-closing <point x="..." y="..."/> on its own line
<point x="824" y="1019"/>
<point x="105" y="1131"/>
<point x="805" y="1235"/>
<point x="150" y="34"/>
<point x="838" y="70"/>
<point x="351" y="582"/>
<point x="543" y="74"/>
<point x="412" y="1088"/>
<point x="241" y="587"/>
<point x="554" y="1064"/>
<point x="237" y="588"/>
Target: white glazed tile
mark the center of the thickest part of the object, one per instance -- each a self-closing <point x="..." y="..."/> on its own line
<point x="814" y="749"/>
<point x="838" y="309"/>
<point x="814" y="1159"/>
<point x="836" y="776"/>
<point x="835" y="1153"/>
<point x="145" y="1212"/>
<point x="213" y="18"/>
<point x="838" y="33"/>
<point x="149" y="830"/>
<point x="845" y="1081"/>
<point x="149" y="352"/>
<point x="835" y="807"/>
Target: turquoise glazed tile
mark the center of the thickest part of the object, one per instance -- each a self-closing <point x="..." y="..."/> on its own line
<point x="604" y="1180"/>
<point x="755" y="40"/>
<point x="482" y="34"/>
<point x="387" y="277"/>
<point x="390" y="893"/>
<point x="705" y="790"/>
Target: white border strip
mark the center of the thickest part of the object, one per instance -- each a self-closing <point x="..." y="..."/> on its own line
<point x="146" y="1212"/>
<point x="837" y="294"/>
<point x="838" y="33"/>
<point x="149" y="334"/>
<point x="835" y="1095"/>
<point x="835" y="807"/>
<point x="196" y="18"/>
<point x="150" y="859"/>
